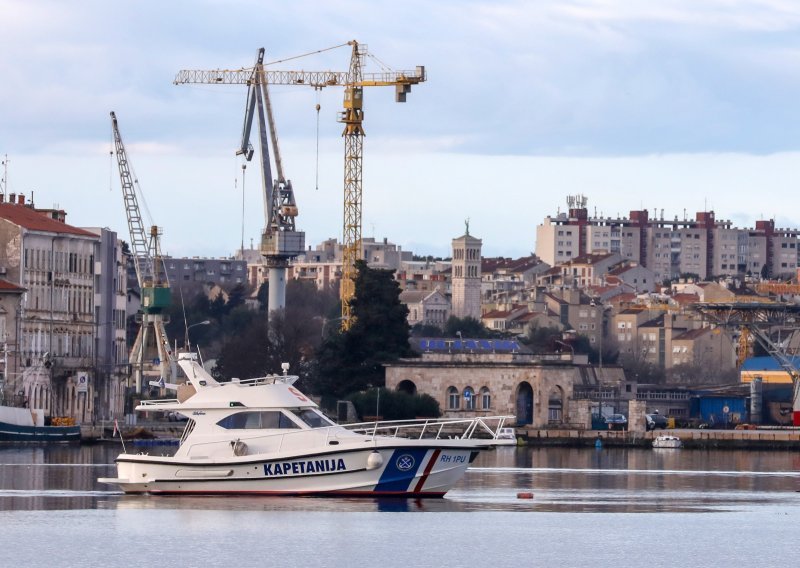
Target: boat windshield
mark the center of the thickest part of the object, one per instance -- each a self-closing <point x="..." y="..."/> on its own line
<point x="313" y="418"/>
<point x="257" y="420"/>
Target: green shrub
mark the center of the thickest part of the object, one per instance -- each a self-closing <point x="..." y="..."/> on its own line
<point x="394" y="405"/>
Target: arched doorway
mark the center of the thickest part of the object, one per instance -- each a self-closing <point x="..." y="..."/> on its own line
<point x="407" y="387"/>
<point x="524" y="404"/>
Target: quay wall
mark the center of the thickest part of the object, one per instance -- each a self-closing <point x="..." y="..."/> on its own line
<point x="784" y="439"/>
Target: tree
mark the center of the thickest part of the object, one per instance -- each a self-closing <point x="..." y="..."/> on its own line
<point x="236" y="296"/>
<point x="260" y="348"/>
<point x="542" y="339"/>
<point x="468" y="326"/>
<point x="353" y="360"/>
<point x="263" y="296"/>
<point x="394" y="405"/>
<point x="426" y="330"/>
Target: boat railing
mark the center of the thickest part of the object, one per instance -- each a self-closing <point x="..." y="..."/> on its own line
<point x="268" y="380"/>
<point x="436" y="428"/>
<point x="157" y="403"/>
<point x="484" y="428"/>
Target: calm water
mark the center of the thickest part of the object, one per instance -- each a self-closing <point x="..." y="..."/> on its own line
<point x="611" y="507"/>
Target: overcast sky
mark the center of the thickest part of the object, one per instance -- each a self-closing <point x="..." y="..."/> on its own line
<point x="674" y="105"/>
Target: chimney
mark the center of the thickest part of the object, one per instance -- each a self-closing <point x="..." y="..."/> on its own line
<point x="2" y="197"/>
<point x="12" y="197"/>
<point x="21" y="199"/>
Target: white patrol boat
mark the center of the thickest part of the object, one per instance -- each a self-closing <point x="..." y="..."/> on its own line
<point x="263" y="436"/>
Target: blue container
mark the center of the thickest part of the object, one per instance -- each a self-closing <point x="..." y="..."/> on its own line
<point x="713" y="410"/>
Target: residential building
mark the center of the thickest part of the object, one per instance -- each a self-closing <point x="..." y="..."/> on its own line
<point x="224" y="272"/>
<point x="111" y="369"/>
<point x="55" y="263"/>
<point x="11" y="297"/>
<point x="703" y="246"/>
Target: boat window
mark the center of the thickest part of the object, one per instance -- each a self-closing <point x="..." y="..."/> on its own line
<point x="257" y="420"/>
<point x="313" y="418"/>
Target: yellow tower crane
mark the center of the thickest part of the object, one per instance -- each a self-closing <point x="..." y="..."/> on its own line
<point x="354" y="80"/>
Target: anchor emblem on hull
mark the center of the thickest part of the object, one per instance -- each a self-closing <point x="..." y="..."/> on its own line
<point x="405" y="462"/>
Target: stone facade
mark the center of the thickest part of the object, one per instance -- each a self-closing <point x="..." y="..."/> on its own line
<point x="535" y="390"/>
<point x="466" y="277"/>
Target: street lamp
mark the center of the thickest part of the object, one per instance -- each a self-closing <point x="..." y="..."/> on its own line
<point x="204" y="322"/>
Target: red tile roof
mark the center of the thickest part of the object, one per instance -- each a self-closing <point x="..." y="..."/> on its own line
<point x="511" y="265"/>
<point x="31" y="219"/>
<point x="7" y="286"/>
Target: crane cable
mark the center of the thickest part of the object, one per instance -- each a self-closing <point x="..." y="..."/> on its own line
<point x="306" y="54"/>
<point x="318" y="89"/>
<point x="244" y="167"/>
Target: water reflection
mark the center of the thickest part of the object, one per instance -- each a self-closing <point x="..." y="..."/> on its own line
<point x="561" y="479"/>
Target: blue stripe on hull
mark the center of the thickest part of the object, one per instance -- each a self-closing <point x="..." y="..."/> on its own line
<point x="400" y="470"/>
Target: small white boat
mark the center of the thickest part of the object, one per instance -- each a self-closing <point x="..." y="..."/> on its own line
<point x="263" y="436"/>
<point x="667" y="441"/>
<point x="505" y="437"/>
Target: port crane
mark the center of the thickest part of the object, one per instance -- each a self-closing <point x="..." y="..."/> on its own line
<point x="151" y="350"/>
<point x="758" y="318"/>
<point x="354" y="80"/>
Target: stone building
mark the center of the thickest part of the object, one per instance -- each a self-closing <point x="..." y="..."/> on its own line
<point x="495" y="377"/>
<point x="11" y="297"/>
<point x="110" y="342"/>
<point x="55" y="263"/>
<point x="426" y="308"/>
<point x="466" y="276"/>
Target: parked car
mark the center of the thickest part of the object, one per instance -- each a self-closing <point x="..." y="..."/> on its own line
<point x="617" y="422"/>
<point x="655" y="421"/>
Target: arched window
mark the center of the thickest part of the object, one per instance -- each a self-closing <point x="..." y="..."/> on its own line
<point x="452" y="398"/>
<point x="469" y="399"/>
<point x="486" y="399"/>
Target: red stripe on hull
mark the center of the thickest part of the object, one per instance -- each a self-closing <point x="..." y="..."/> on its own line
<point x="427" y="471"/>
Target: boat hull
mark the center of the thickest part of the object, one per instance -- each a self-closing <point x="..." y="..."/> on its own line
<point x="16" y="433"/>
<point x="405" y="471"/>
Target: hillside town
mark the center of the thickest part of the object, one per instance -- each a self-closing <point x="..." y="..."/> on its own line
<point x="611" y="301"/>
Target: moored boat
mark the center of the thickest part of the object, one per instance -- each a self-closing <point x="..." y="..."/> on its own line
<point x="264" y="436"/>
<point x="667" y="441"/>
<point x="20" y="425"/>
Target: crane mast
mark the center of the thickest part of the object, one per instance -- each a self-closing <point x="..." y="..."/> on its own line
<point x="353" y="81"/>
<point x="353" y="119"/>
<point x="151" y="342"/>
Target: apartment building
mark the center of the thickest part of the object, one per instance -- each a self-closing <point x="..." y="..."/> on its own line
<point x="223" y="272"/>
<point x="55" y="263"/>
<point x="703" y="245"/>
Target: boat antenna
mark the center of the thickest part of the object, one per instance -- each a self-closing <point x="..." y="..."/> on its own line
<point x="185" y="323"/>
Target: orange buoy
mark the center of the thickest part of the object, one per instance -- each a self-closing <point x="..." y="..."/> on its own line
<point x="524" y="495"/>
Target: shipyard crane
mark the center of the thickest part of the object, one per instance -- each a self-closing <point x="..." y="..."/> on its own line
<point x="354" y="80"/>
<point x="151" y="347"/>
<point x="280" y="240"/>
